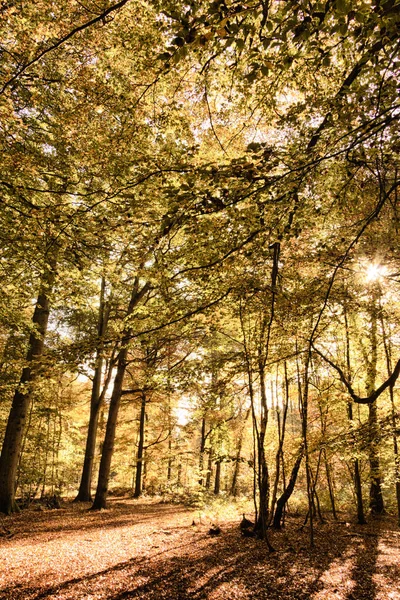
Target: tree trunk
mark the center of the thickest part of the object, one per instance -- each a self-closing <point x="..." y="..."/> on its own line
<point x="202" y="450"/>
<point x="12" y="443"/>
<point x="85" y="487"/>
<point x="263" y="473"/>
<point x="217" y="481"/>
<point x="233" y="490"/>
<point x="46" y="453"/>
<point x="169" y="465"/>
<point x="281" y="439"/>
<point x="358" y="489"/>
<point x="263" y="487"/>
<point x="96" y="402"/>
<point x="330" y="484"/>
<point x="303" y="396"/>
<point x="314" y="480"/>
<point x="235" y="476"/>
<point x="375" y="493"/>
<point x="144" y="468"/>
<point x="209" y="469"/>
<point x="140" y="451"/>
<point x="323" y="413"/>
<point x="282" y="500"/>
<point x="170" y="428"/>
<point x="100" y="500"/>
<point x="357" y="475"/>
<point x="179" y="475"/>
<point x="388" y="354"/>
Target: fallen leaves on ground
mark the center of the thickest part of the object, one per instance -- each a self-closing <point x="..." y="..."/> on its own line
<point x="153" y="551"/>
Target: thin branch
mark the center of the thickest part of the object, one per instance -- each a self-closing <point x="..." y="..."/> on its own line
<point x="352" y="76"/>
<point x="211" y="121"/>
<point x="191" y="313"/>
<point x="62" y="40"/>
<point x="222" y="258"/>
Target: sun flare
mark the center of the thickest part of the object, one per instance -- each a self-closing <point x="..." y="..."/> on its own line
<point x="374" y="272"/>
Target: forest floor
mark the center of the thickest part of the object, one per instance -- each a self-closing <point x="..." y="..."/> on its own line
<point x="152" y="551"/>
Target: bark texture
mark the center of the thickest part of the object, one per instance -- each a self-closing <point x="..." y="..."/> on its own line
<point x="12" y="443"/>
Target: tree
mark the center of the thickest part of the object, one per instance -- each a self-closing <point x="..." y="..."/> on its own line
<point x="221" y="168"/>
<point x="96" y="399"/>
<point x="12" y="443"/>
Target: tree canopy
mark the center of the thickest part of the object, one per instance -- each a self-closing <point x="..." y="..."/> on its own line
<point x="199" y="238"/>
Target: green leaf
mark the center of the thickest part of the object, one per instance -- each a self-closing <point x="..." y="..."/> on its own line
<point x="341" y="6"/>
<point x="252" y="76"/>
<point x="164" y="56"/>
<point x="178" y="41"/>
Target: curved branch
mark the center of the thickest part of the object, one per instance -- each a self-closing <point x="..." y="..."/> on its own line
<point x="390" y="381"/>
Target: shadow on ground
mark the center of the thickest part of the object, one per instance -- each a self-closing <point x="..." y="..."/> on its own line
<point x="119" y="514"/>
<point x="201" y="567"/>
<point x="188" y="564"/>
<point x="362" y="574"/>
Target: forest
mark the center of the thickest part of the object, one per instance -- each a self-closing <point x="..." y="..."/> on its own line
<point x="200" y="307"/>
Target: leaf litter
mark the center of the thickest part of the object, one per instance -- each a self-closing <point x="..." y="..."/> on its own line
<point x="157" y="551"/>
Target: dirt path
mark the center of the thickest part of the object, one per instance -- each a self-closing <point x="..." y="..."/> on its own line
<point x="152" y="551"/>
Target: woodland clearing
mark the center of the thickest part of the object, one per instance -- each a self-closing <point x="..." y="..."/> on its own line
<point x="152" y="550"/>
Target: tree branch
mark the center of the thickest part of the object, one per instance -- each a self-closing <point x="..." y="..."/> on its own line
<point x="61" y="41"/>
<point x="351" y="77"/>
<point x="358" y="399"/>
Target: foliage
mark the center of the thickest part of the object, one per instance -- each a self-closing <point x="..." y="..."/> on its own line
<point x="219" y="182"/>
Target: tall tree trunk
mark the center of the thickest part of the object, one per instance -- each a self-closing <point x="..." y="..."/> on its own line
<point x="140" y="450"/>
<point x="330" y="484"/>
<point x="96" y="402"/>
<point x="85" y="487"/>
<point x="323" y="413"/>
<point x="217" y="481"/>
<point x="12" y="443"/>
<point x="375" y="493"/>
<point x="202" y="450"/>
<point x="260" y="426"/>
<point x="281" y="439"/>
<point x="388" y="354"/>
<point x="357" y="471"/>
<point x="316" y="507"/>
<point x="356" y="462"/>
<point x="46" y="453"/>
<point x="209" y="469"/>
<point x="263" y="354"/>
<point x="144" y="473"/>
<point x="263" y="473"/>
<point x="236" y="469"/>
<point x="169" y="465"/>
<point x="100" y="500"/>
<point x="179" y="475"/>
<point x="23" y="444"/>
<point x="170" y="428"/>
<point x="58" y="485"/>
<point x="235" y="475"/>
<point x="303" y="394"/>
